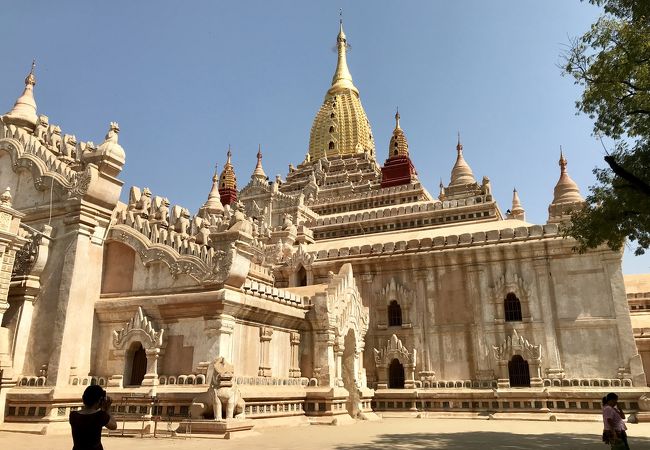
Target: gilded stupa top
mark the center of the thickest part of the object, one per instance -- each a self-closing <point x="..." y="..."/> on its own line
<point x="341" y="126"/>
<point x="227" y="179"/>
<point x="398" y="144"/>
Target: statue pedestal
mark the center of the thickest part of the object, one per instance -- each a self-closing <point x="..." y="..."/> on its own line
<point x="226" y="429"/>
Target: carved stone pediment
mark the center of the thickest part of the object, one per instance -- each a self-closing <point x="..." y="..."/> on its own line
<point x="517" y="345"/>
<point x="395" y="291"/>
<point x="394" y="349"/>
<point x="301" y="257"/>
<point x="139" y="328"/>
<point x="510" y="283"/>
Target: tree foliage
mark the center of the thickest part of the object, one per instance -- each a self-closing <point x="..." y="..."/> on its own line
<point x="612" y="62"/>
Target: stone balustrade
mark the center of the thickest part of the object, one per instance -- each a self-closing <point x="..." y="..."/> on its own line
<point x="444" y="242"/>
<point x="547" y="382"/>
<point x="268" y="292"/>
<point x="191" y="379"/>
<point x="31" y="381"/>
<point x="271" y="381"/>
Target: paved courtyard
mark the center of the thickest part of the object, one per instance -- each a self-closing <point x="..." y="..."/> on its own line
<point x="400" y="434"/>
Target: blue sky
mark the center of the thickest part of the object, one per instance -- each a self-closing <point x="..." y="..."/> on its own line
<point x="186" y="79"/>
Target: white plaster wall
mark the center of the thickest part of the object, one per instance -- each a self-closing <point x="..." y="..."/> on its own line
<point x="246" y="349"/>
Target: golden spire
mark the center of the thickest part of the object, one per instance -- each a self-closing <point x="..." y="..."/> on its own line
<point x="259" y="171"/>
<point x="342" y="79"/>
<point x="227" y="179"/>
<point x="341" y="126"/>
<point x="461" y="173"/>
<point x="23" y="113"/>
<point x="398" y="144"/>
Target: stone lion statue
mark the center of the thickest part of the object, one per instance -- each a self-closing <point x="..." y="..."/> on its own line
<point x="222" y="400"/>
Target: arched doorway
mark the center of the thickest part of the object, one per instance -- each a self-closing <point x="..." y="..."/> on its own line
<point x="518" y="372"/>
<point x="396" y="375"/>
<point x="138" y="359"/>
<point x="301" y="277"/>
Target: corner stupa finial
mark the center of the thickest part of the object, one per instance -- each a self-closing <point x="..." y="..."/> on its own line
<point x="562" y="162"/>
<point x="31" y="78"/>
<point x="397" y="116"/>
<point x="459" y="146"/>
<point x="23" y="114"/>
<point x="259" y="171"/>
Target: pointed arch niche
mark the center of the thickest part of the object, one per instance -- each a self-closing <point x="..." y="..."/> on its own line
<point x="139" y="345"/>
<point x="515" y="353"/>
<point x="510" y="292"/>
<point x="392" y="298"/>
<point x="392" y="358"/>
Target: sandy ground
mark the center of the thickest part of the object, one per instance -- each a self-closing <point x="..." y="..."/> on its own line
<point x="401" y="434"/>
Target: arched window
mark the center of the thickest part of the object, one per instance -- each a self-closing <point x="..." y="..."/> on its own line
<point x="396" y="375"/>
<point x="332" y="115"/>
<point x="331" y="129"/>
<point x="301" y="277"/>
<point x="512" y="308"/>
<point x="331" y="145"/>
<point x="394" y="314"/>
<point x="518" y="372"/>
<point x="138" y="365"/>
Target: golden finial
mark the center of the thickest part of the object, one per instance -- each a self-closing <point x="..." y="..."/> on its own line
<point x="397" y="116"/>
<point x="31" y="79"/>
<point x="459" y="146"/>
<point x="215" y="177"/>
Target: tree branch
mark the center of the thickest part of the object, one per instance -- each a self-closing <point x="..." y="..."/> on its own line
<point x="636" y="182"/>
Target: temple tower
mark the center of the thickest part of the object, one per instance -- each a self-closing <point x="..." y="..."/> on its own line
<point x="228" y="183"/>
<point x="398" y="168"/>
<point x="341" y="126"/>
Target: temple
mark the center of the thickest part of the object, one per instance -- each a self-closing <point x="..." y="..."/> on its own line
<point x="342" y="290"/>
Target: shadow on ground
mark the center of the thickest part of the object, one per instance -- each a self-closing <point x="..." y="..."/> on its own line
<point x="488" y="440"/>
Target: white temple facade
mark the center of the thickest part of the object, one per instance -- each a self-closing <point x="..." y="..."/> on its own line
<point x="344" y="289"/>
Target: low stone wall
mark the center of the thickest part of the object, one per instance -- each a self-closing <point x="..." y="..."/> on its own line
<point x="483" y="402"/>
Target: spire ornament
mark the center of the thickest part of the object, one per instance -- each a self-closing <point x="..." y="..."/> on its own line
<point x="228" y="181"/>
<point x="213" y="203"/>
<point x="23" y="114"/>
<point x="259" y="170"/>
<point x="461" y="173"/>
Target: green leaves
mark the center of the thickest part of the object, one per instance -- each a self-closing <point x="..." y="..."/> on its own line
<point x="612" y="62"/>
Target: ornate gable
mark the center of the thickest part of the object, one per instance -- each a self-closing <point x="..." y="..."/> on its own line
<point x="139" y="328"/>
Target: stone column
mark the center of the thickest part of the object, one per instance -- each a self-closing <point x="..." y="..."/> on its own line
<point x="628" y="350"/>
<point x="221" y="330"/>
<point x="476" y="289"/>
<point x="294" y="367"/>
<point x="265" y="342"/>
<point x="339" y="348"/>
<point x="546" y="298"/>
<point x="151" y="377"/>
<point x="79" y="287"/>
<point x="10" y="242"/>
